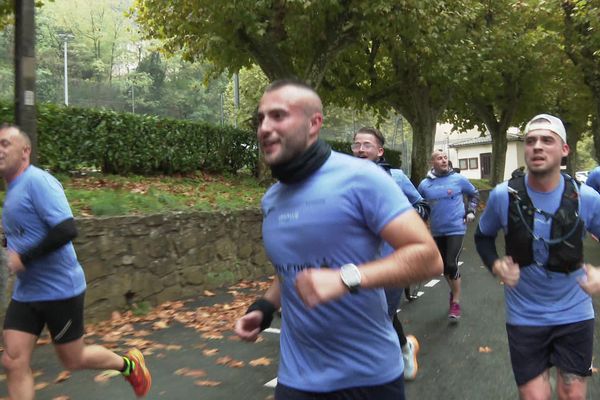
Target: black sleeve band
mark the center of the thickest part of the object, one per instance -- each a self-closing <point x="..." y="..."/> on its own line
<point x="57" y="237"/>
<point x="486" y="247"/>
<point x="267" y="308"/>
<point x="422" y="209"/>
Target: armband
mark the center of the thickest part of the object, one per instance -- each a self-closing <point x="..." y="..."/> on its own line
<point x="267" y="308"/>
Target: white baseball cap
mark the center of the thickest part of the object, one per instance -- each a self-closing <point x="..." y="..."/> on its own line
<point x="549" y="122"/>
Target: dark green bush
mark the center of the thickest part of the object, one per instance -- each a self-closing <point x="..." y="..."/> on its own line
<point x="71" y="138"/>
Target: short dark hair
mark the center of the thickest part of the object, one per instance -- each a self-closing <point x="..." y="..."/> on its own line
<point x="279" y="83"/>
<point x="372" y="131"/>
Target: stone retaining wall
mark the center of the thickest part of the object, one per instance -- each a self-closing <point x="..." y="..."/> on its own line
<point x="166" y="257"/>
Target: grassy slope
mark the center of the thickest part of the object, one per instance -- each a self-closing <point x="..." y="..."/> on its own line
<point x="109" y="195"/>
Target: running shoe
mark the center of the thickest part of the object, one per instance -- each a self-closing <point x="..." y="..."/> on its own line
<point x="409" y="354"/>
<point x="139" y="378"/>
<point x="454" y="313"/>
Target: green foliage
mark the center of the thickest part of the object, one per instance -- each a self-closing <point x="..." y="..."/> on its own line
<point x="106" y="195"/>
<point x="482" y="184"/>
<point x="71" y="138"/>
<point x="284" y="38"/>
<point x="140" y="309"/>
<point x="585" y="154"/>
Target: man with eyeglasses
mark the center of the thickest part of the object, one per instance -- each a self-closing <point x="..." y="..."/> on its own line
<point x="549" y="313"/>
<point x="368" y="144"/>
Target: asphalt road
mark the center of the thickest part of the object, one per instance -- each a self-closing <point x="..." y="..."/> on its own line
<point x="467" y="360"/>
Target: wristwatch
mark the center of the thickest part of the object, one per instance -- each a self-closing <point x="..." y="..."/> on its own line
<point x="350" y="277"/>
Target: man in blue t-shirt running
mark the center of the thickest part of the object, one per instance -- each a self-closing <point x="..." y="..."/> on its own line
<point x="322" y="229"/>
<point x="445" y="191"/>
<point x="368" y="144"/>
<point x="549" y="314"/>
<point x="50" y="285"/>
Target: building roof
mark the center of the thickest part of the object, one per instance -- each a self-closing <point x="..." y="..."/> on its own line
<point x="487" y="139"/>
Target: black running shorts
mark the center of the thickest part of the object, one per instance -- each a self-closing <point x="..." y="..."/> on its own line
<point x="393" y="390"/>
<point x="534" y="349"/>
<point x="64" y="318"/>
<point x="450" y="248"/>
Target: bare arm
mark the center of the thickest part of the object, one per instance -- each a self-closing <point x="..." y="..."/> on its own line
<point x="416" y="258"/>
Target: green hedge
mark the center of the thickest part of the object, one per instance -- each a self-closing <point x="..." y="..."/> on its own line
<point x="70" y="138"/>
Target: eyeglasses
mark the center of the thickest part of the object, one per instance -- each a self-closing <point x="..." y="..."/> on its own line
<point x="367" y="146"/>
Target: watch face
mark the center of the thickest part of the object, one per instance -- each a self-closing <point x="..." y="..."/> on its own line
<point x="350" y="276"/>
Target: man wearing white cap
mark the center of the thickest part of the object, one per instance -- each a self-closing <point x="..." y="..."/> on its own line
<point x="549" y="314"/>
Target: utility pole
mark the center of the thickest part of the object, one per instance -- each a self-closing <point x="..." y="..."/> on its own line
<point x="133" y="97"/>
<point x="25" y="116"/>
<point x="65" y="38"/>
<point x="236" y="96"/>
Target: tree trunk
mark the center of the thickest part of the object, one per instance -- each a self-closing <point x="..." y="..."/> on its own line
<point x="498" y="130"/>
<point x="423" y="124"/>
<point x="499" y="145"/>
<point x="596" y="132"/>
<point x="422" y="146"/>
<point x="572" y="139"/>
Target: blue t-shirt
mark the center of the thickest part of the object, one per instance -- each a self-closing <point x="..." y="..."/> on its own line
<point x="34" y="203"/>
<point x="406" y="185"/>
<point x="332" y="218"/>
<point x="593" y="179"/>
<point x="445" y="197"/>
<point x="543" y="297"/>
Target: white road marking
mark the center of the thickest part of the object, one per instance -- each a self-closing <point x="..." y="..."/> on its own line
<point x="419" y="293"/>
<point x="432" y="283"/>
<point x="272" y="330"/>
<point x="272" y="383"/>
<point x="460" y="263"/>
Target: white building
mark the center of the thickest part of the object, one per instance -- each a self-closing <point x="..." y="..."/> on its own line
<point x="472" y="152"/>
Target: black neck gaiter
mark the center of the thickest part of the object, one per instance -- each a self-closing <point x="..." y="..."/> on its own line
<point x="304" y="165"/>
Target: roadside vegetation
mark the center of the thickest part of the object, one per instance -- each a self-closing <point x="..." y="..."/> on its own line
<point x="111" y="195"/>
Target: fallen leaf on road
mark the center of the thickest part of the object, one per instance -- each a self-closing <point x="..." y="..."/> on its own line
<point x="41" y="385"/>
<point x="485" y="349"/>
<point x="594" y="370"/>
<point x="174" y="347"/>
<point x="260" y="362"/>
<point x="194" y="373"/>
<point x="208" y="293"/>
<point x="224" y="360"/>
<point x="105" y="376"/>
<point x="210" y="352"/>
<point x="63" y="397"/>
<point x="236" y="364"/>
<point x="160" y="325"/>
<point x="63" y="376"/>
<point x="207" y="383"/>
<point x="212" y="335"/>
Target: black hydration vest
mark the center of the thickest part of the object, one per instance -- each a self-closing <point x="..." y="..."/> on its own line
<point x="566" y="238"/>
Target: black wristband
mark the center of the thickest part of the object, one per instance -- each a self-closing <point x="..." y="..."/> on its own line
<point x="267" y="308"/>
